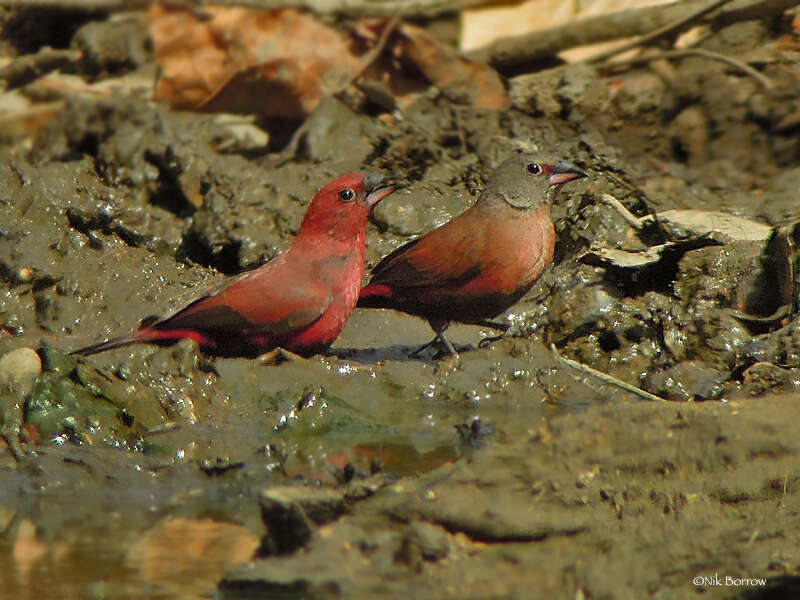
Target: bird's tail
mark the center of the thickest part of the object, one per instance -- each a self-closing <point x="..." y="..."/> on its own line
<point x="107" y="345"/>
<point x="374" y="296"/>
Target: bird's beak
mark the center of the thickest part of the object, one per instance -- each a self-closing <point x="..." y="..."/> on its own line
<point x="378" y="186"/>
<point x="564" y="172"/>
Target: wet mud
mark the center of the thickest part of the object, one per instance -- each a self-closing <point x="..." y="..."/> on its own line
<point x="159" y="472"/>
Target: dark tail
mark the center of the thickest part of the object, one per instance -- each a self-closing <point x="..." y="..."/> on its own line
<point x="107" y="345"/>
<point x="374" y="296"/>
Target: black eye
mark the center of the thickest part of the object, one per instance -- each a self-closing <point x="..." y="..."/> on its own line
<point x="534" y="168"/>
<point x="347" y="194"/>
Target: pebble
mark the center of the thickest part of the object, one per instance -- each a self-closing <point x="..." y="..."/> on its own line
<point x="18" y="370"/>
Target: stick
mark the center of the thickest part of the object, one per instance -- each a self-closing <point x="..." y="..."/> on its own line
<point x="605" y="377"/>
<point x="659" y="32"/>
<point x="634" y="221"/>
<point x="514" y="53"/>
<point x="762" y="79"/>
<point x="289" y="152"/>
<point x="357" y="8"/>
<point x="370" y="57"/>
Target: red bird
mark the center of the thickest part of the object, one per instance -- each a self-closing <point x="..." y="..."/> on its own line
<point x="476" y="266"/>
<point x="300" y="300"/>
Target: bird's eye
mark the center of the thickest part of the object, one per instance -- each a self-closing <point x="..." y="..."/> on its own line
<point x="347" y="194"/>
<point x="534" y="168"/>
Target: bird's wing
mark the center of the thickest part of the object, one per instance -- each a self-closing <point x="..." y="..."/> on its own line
<point x="445" y="257"/>
<point x="275" y="300"/>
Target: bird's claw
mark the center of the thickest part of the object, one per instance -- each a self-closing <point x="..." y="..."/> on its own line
<point x="511" y="331"/>
<point x="488" y="340"/>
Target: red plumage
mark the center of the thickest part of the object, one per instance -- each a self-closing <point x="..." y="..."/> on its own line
<point x="300" y="300"/>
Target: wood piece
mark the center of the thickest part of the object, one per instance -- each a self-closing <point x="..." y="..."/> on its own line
<point x="358" y="8"/>
<point x="670" y="28"/>
<point x="763" y="80"/>
<point x="513" y="53"/>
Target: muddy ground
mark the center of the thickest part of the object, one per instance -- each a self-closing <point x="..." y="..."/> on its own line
<point x="158" y="472"/>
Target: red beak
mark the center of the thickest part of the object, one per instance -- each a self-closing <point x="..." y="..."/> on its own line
<point x="564" y="172"/>
<point x="378" y="186"/>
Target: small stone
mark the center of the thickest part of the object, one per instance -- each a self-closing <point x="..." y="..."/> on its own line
<point x="288" y="526"/>
<point x="18" y="370"/>
<point x="25" y="274"/>
<point x="433" y="540"/>
<point x="290" y="514"/>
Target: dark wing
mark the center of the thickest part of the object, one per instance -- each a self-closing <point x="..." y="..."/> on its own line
<point x="446" y="257"/>
<point x="273" y="300"/>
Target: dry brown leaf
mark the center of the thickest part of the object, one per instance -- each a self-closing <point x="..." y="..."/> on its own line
<point x="283" y="62"/>
<point x="276" y="63"/>
<point x="459" y="79"/>
<point x="193" y="62"/>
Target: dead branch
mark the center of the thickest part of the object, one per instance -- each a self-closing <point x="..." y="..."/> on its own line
<point x="762" y="79"/>
<point x="671" y="28"/>
<point x="358" y="8"/>
<point x="514" y="52"/>
<point x="100" y="5"/>
<point x="605" y="377"/>
<point x="364" y="62"/>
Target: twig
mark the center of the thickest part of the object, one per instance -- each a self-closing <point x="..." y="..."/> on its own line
<point x="364" y="62"/>
<point x="514" y="53"/>
<point x="359" y="8"/>
<point x="637" y="223"/>
<point x="370" y="57"/>
<point x="762" y="79"/>
<point x="105" y="5"/>
<point x="605" y="377"/>
<point x="658" y="33"/>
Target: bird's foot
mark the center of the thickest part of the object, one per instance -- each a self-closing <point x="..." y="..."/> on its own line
<point x="442" y="349"/>
<point x="488" y="341"/>
<point x="277" y="356"/>
<point x="508" y="331"/>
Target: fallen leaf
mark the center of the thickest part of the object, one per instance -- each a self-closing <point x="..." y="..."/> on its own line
<point x="282" y="62"/>
<point x="276" y="63"/>
<point x="459" y="79"/>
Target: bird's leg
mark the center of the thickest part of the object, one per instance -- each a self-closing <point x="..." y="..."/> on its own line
<point x="439" y="327"/>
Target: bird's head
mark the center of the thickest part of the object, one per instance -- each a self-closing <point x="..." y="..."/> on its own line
<point x="529" y="180"/>
<point x="341" y="208"/>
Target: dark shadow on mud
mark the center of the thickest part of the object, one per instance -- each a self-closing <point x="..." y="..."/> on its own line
<point x="368" y="356"/>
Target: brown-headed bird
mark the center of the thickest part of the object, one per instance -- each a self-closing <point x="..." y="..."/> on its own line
<point x="300" y="300"/>
<point x="477" y="265"/>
